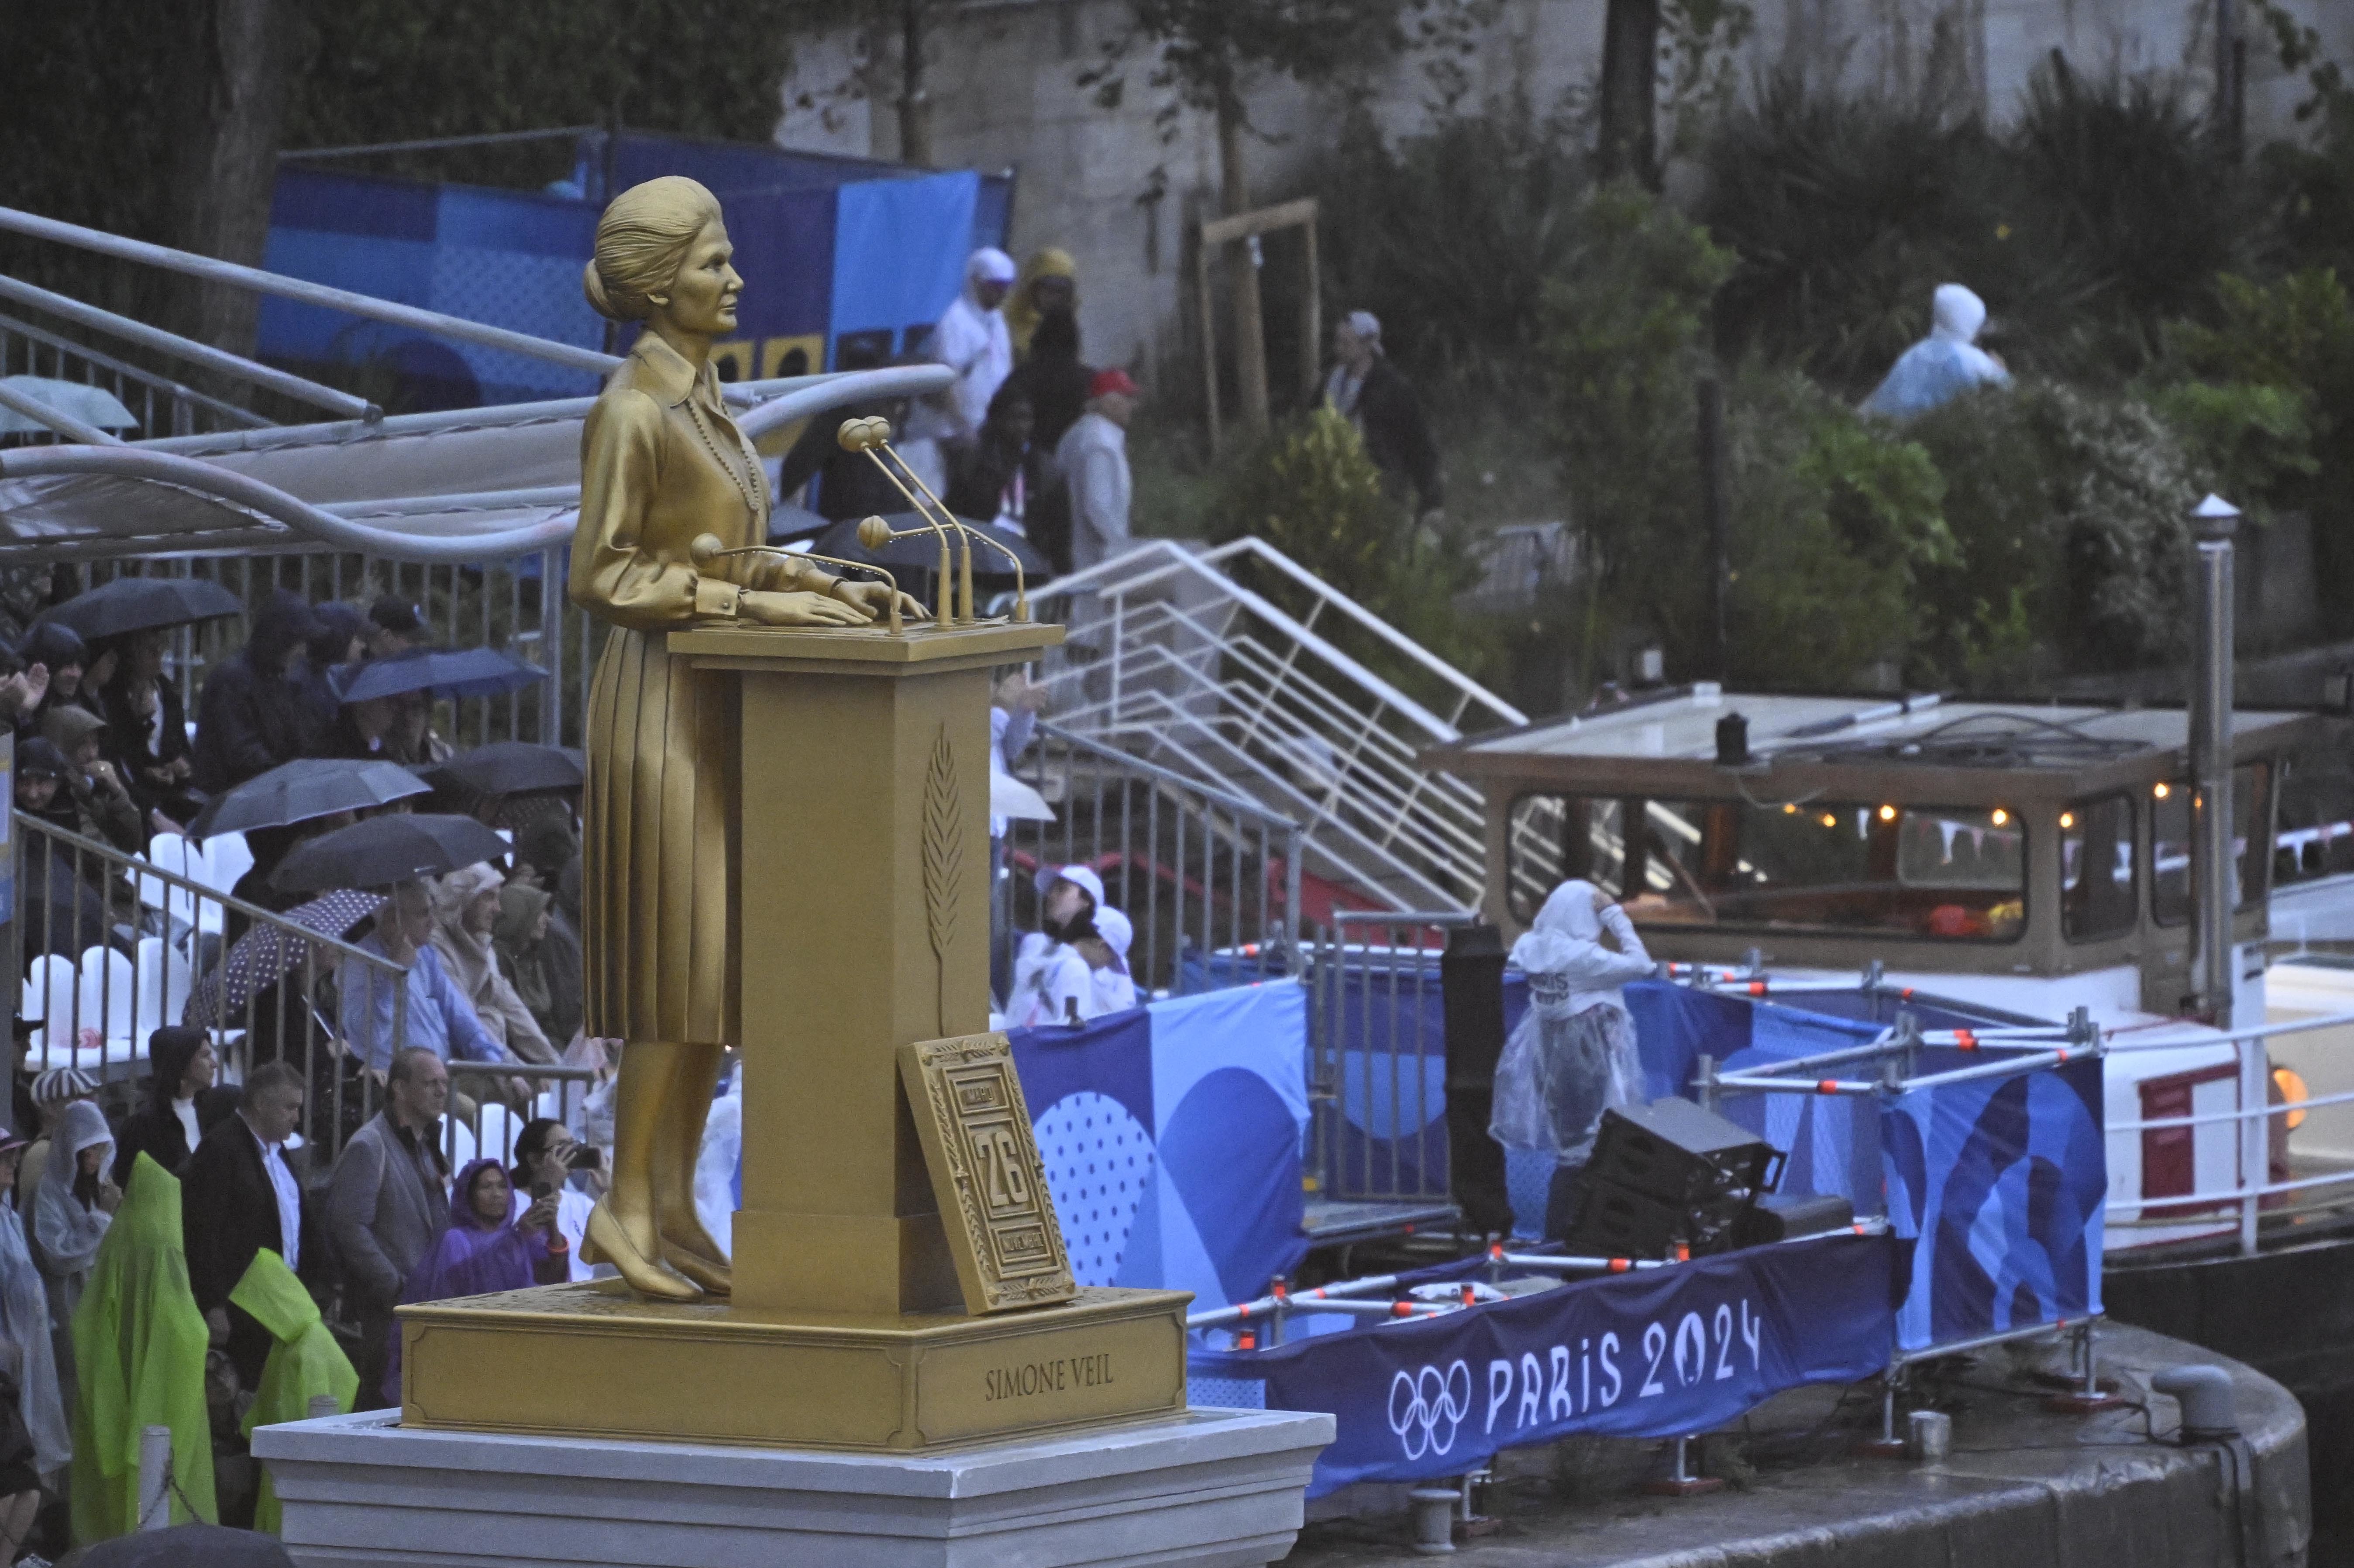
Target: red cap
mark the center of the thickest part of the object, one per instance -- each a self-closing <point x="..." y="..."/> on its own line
<point x="1110" y="381"/>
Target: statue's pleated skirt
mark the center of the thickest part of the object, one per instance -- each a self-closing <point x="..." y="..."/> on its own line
<point x="657" y="822"/>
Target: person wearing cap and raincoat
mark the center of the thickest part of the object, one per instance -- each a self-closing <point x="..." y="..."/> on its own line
<point x="1572" y="1057"/>
<point x="139" y="1347"/>
<point x="304" y="1361"/>
<point x="1942" y="365"/>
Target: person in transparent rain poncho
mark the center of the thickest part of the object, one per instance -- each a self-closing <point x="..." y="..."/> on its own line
<point x="1572" y="1057"/>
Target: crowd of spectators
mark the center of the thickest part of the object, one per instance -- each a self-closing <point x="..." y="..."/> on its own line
<point x="257" y="1267"/>
<point x="996" y="445"/>
<point x="186" y="1223"/>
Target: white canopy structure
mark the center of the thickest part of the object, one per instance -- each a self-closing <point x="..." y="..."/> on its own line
<point x="471" y="485"/>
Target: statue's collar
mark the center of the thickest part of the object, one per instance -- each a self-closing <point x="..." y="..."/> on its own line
<point x="662" y="373"/>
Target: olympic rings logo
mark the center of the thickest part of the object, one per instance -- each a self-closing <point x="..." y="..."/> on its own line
<point x="1425" y="1409"/>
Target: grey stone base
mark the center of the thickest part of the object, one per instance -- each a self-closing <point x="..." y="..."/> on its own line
<point x="1220" y="1488"/>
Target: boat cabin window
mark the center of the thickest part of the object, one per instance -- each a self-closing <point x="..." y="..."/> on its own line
<point x="2096" y="868"/>
<point x="1956" y="873"/>
<point x="2171" y="894"/>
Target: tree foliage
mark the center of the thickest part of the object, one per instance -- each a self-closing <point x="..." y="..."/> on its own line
<point x="96" y="98"/>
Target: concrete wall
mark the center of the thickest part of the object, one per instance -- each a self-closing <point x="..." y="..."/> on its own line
<point x="1118" y="187"/>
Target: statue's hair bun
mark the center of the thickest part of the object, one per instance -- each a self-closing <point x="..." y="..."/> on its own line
<point x="642" y="242"/>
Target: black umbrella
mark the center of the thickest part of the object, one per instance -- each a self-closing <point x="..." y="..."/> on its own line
<point x="306" y="788"/>
<point x="514" y="767"/>
<point x="190" y="1546"/>
<point x="386" y="850"/>
<point x="264" y="953"/>
<point x="456" y="672"/>
<point x="137" y="604"/>
<point x="921" y="552"/>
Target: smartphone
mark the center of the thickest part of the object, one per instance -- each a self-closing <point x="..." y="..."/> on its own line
<point x="586" y="1157"/>
<point x="541" y="1191"/>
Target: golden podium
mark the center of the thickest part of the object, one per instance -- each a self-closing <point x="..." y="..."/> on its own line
<point x="864" y="772"/>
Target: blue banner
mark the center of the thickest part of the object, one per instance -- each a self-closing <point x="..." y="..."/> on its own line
<point x="1661" y="1354"/>
<point x="1994" y="1196"/>
<point x="1171" y="1138"/>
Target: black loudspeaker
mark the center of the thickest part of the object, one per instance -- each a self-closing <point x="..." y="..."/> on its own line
<point x="1472" y="991"/>
<point x="1597" y="1218"/>
<point x="1777" y="1218"/>
<point x="1674" y="1150"/>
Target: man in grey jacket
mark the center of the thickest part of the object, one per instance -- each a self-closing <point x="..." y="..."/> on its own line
<point x="389" y="1203"/>
<point x="1093" y="459"/>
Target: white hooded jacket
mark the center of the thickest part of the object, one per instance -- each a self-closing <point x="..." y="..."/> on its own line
<point x="1564" y="945"/>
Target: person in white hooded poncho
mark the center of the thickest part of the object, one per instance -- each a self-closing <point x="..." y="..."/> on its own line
<point x="1942" y="365"/>
<point x="973" y="340"/>
<point x="1572" y="1057"/>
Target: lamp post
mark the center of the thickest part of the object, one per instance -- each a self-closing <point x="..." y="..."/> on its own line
<point x="2213" y="523"/>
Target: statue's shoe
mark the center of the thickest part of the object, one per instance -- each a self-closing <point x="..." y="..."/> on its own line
<point x="606" y="1242"/>
<point x="712" y="1276"/>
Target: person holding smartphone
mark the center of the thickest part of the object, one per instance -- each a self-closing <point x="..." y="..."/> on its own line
<point x="545" y="1154"/>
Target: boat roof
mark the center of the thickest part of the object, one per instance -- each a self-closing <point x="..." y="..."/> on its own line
<point x="1665" y="742"/>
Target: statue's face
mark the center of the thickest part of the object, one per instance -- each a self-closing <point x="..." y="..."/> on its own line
<point x="702" y="298"/>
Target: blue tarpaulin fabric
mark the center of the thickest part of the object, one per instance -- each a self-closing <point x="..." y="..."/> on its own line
<point x="1994" y="1195"/>
<point x="1172" y="1135"/>
<point x="1654" y="1354"/>
<point x="512" y="259"/>
<point x="894" y="268"/>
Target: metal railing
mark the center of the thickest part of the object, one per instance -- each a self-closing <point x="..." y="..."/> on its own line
<point x="1173" y="658"/>
<point x="518" y="605"/>
<point x="2250" y="1199"/>
<point x="1209" y="879"/>
<point x="501" y="1113"/>
<point x="116" y="946"/>
<point x="162" y="406"/>
<point x="1377" y="1055"/>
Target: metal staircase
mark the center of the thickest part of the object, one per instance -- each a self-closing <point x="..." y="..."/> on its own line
<point x="1183" y="656"/>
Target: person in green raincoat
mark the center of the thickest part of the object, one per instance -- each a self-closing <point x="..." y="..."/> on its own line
<point x="139" y="1343"/>
<point x="305" y="1361"/>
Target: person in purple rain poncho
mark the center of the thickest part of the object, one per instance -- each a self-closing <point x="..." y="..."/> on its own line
<point x="483" y="1250"/>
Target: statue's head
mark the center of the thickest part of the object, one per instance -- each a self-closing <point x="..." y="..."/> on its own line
<point x="663" y="253"/>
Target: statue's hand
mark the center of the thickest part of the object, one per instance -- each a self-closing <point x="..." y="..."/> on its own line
<point x="875" y="598"/>
<point x="767" y="608"/>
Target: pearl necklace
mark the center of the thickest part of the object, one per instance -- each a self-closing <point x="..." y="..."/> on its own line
<point x="742" y="483"/>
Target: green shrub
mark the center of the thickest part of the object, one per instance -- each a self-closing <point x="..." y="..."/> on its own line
<point x="2271" y="348"/>
<point x="2102" y="211"/>
<point x="1311" y="491"/>
<point x="2068" y="511"/>
<point x="1623" y="344"/>
<point x="1451" y="238"/>
<point x="1835" y="519"/>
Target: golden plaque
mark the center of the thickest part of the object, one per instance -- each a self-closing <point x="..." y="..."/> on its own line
<point x="986" y="1172"/>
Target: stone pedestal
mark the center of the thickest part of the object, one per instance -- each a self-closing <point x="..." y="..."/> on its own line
<point x="1217" y="1489"/>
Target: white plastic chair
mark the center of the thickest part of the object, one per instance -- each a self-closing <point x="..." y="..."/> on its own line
<point x="167" y="975"/>
<point x="462" y="1144"/>
<point x="48" y="994"/>
<point x="174" y="853"/>
<point x="499" y="1133"/>
<point x="231" y="858"/>
<point x="108" y="992"/>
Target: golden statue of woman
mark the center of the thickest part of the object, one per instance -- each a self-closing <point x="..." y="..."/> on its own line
<point x="662" y="463"/>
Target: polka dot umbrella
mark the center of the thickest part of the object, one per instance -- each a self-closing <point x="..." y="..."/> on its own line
<point x="263" y="955"/>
